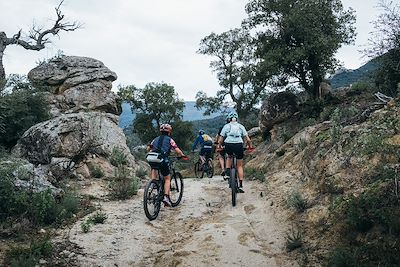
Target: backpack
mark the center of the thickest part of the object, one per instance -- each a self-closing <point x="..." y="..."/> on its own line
<point x="235" y="130"/>
<point x="207" y="139"/>
<point x="158" y="154"/>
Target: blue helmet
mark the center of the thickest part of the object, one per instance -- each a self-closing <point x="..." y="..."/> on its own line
<point x="201" y="132"/>
<point x="232" y="115"/>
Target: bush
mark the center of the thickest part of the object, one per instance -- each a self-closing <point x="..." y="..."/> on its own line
<point x="253" y="173"/>
<point x="118" y="157"/>
<point x="29" y="256"/>
<point x="294" y="239"/>
<point x="21" y="106"/>
<point x="342" y="257"/>
<point x="98" y="217"/>
<point x="141" y="172"/>
<point x="295" y="200"/>
<point x="96" y="172"/>
<point x="124" y="185"/>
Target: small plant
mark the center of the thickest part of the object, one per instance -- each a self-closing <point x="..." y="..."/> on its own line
<point x="342" y="257"/>
<point x="296" y="201"/>
<point x="29" y="256"/>
<point x="85" y="226"/>
<point x="124" y="184"/>
<point x="98" y="217"/>
<point x="336" y="128"/>
<point x="96" y="172"/>
<point x="118" y="157"/>
<point x="280" y="152"/>
<point x="254" y="173"/>
<point x="141" y="172"/>
<point x="301" y="145"/>
<point x="294" y="239"/>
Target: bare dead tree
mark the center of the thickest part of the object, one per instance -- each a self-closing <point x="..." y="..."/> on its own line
<point x="37" y="38"/>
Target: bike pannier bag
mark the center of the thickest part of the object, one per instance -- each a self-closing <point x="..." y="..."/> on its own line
<point x="154" y="157"/>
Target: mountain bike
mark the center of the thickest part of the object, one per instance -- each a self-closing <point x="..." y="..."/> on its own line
<point x="154" y="191"/>
<point x="207" y="167"/>
<point x="234" y="178"/>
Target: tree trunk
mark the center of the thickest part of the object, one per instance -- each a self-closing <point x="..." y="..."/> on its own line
<point x="2" y="71"/>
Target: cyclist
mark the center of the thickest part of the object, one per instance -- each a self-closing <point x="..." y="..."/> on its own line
<point x="222" y="152"/>
<point x="232" y="134"/>
<point x="206" y="144"/>
<point x="163" y="145"/>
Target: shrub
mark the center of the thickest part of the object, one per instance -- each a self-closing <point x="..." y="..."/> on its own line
<point x="253" y="173"/>
<point x="20" y="108"/>
<point x="342" y="257"/>
<point x="141" y="172"/>
<point x="280" y="152"/>
<point x="96" y="172"/>
<point x="118" y="157"/>
<point x="98" y="217"/>
<point x="295" y="200"/>
<point x="294" y="239"/>
<point x="85" y="226"/>
<point x="29" y="256"/>
<point x="124" y="185"/>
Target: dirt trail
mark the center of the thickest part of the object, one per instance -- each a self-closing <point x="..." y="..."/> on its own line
<point x="204" y="230"/>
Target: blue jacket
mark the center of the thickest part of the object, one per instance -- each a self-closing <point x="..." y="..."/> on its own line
<point x="200" y="140"/>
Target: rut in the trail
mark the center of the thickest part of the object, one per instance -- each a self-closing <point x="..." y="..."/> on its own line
<point x="204" y="230"/>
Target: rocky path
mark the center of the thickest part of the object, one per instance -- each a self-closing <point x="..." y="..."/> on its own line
<point x="204" y="230"/>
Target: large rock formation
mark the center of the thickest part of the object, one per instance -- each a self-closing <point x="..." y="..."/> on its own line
<point x="84" y="117"/>
<point x="277" y="108"/>
<point x="78" y="83"/>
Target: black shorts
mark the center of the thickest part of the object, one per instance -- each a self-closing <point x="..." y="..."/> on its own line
<point x="163" y="167"/>
<point x="234" y="148"/>
<point x="205" y="152"/>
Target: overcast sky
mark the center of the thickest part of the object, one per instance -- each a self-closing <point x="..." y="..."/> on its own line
<point x="148" y="41"/>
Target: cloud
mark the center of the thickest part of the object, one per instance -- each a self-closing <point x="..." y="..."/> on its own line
<point x="144" y="41"/>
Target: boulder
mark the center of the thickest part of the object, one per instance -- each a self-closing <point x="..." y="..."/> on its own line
<point x="277" y="108"/>
<point x="72" y="136"/>
<point x="79" y="84"/>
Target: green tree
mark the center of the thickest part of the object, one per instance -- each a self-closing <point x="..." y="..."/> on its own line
<point x="242" y="79"/>
<point x="300" y="38"/>
<point x="154" y="104"/>
<point x="21" y="106"/>
<point x="183" y="134"/>
<point x="384" y="44"/>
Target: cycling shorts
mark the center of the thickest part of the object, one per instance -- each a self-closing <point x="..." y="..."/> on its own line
<point x="205" y="151"/>
<point x="234" y="148"/>
<point x="163" y="167"/>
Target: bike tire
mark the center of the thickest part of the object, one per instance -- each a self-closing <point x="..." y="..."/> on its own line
<point x="234" y="185"/>
<point x="176" y="190"/>
<point x="210" y="169"/>
<point x="152" y="200"/>
<point x="198" y="170"/>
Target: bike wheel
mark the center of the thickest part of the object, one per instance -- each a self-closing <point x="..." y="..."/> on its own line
<point x="233" y="185"/>
<point x="152" y="200"/>
<point x="210" y="169"/>
<point x="176" y="191"/>
<point x="198" y="170"/>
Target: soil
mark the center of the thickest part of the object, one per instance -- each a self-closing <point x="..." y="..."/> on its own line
<point x="204" y="230"/>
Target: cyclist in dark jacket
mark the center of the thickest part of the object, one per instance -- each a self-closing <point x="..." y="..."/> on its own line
<point x="163" y="144"/>
<point x="206" y="145"/>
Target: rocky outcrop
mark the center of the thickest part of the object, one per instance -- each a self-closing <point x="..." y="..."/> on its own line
<point x="71" y="135"/>
<point x="84" y="123"/>
<point x="77" y="84"/>
<point x="277" y="108"/>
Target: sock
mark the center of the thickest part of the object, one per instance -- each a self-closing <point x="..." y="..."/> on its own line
<point x="240" y="183"/>
<point x="228" y="171"/>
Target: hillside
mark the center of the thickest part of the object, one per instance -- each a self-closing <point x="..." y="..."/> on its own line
<point x="347" y="77"/>
<point x="190" y="113"/>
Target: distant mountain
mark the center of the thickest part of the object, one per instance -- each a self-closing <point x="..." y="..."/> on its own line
<point x="190" y="113"/>
<point x="346" y="77"/>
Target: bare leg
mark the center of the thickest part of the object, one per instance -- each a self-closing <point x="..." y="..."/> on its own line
<point x="167" y="184"/>
<point x="240" y="168"/>
<point x="153" y="174"/>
